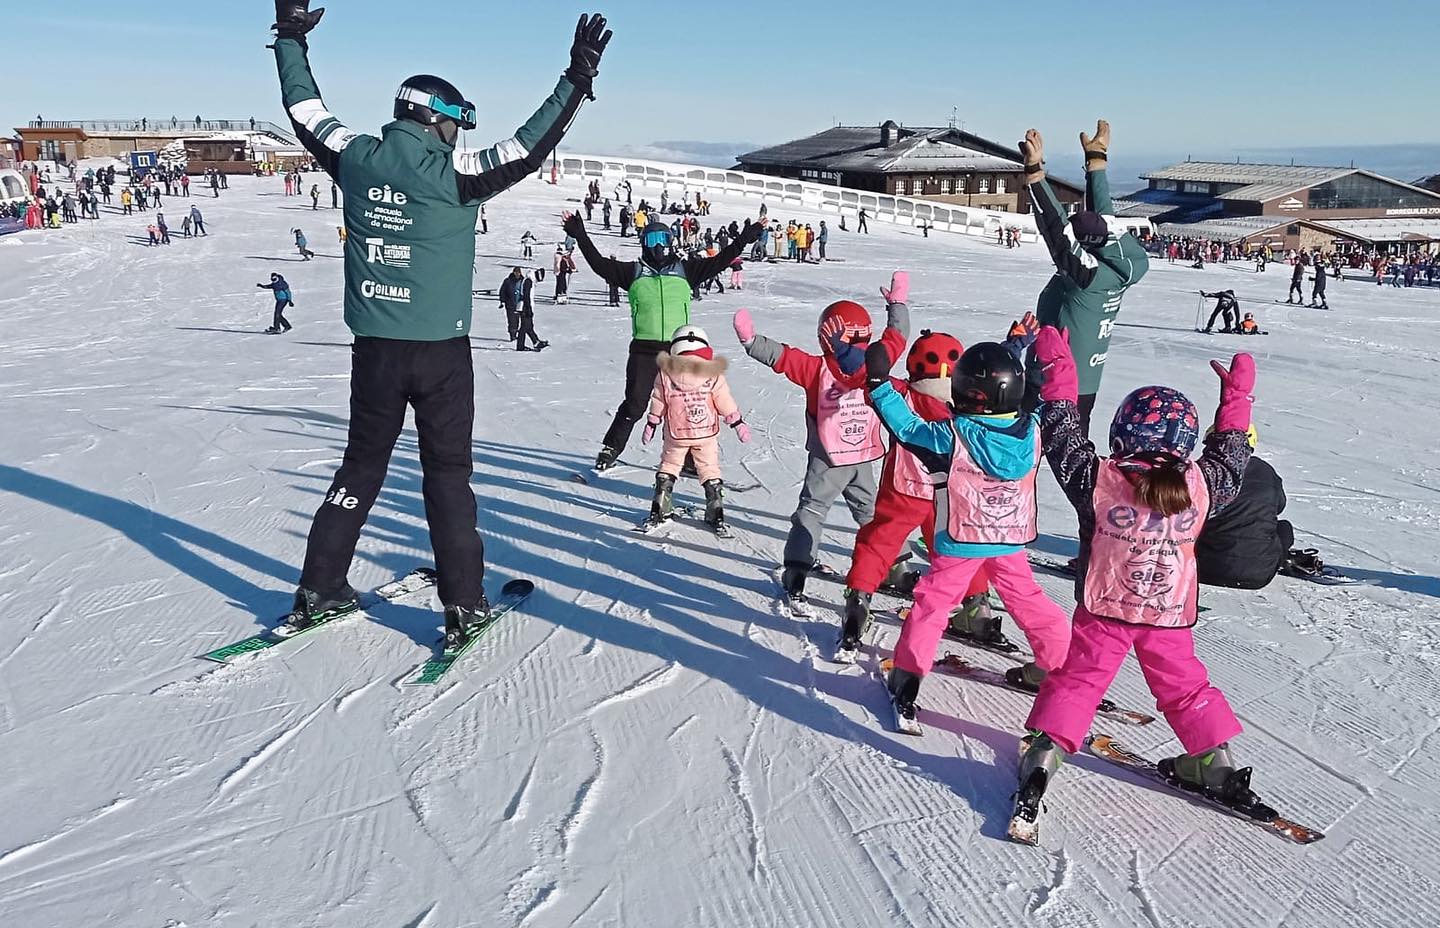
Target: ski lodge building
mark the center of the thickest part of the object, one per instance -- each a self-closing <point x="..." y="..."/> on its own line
<point x="947" y="164"/>
<point x="1287" y="206"/>
<point x="213" y="140"/>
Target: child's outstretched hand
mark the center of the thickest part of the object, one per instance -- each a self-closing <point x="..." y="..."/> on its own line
<point x="1236" y="386"/>
<point x="1027" y="328"/>
<point x="649" y="433"/>
<point x="1052" y="351"/>
<point x="899" y="291"/>
<point x="744" y="327"/>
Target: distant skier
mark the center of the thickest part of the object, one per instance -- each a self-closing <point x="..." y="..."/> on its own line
<point x="198" y="221"/>
<point x="302" y="245"/>
<point x="1227" y="306"/>
<point x="515" y="293"/>
<point x="283" y="298"/>
<point x="1093" y="267"/>
<point x="527" y="245"/>
<point x="314" y="196"/>
<point x="410" y="311"/>
<point x="862" y="227"/>
<point x="1297" y="282"/>
<point x="1317" y="294"/>
<point x="564" y="267"/>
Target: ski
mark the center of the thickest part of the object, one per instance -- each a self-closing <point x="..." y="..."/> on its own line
<point x="1003" y="647"/>
<point x="956" y="666"/>
<point x="651" y="525"/>
<point x="511" y="596"/>
<point x="902" y="725"/>
<point x="421" y="578"/>
<point x="1107" y="748"/>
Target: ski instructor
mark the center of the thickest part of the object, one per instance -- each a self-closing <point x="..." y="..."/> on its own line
<point x="411" y="201"/>
<point x="659" y="286"/>
<point x="1093" y="267"/>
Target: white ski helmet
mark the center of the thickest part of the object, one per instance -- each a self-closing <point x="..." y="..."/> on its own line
<point x="687" y="339"/>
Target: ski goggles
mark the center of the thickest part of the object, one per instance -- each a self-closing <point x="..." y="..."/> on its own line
<point x="660" y="238"/>
<point x="463" y="113"/>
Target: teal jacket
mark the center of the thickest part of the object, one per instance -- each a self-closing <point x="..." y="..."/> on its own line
<point x="1083" y="297"/>
<point x="411" y="203"/>
<point x="1002" y="446"/>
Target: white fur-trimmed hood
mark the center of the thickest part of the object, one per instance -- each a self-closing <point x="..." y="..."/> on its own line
<point x="687" y="366"/>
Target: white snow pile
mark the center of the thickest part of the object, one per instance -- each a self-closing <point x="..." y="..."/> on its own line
<point x="652" y="743"/>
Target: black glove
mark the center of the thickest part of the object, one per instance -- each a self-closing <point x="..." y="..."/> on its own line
<point x="877" y="365"/>
<point x="293" y="18"/>
<point x="750" y="234"/>
<point x="573" y="225"/>
<point x="591" y="37"/>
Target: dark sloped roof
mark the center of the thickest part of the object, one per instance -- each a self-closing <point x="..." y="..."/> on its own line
<point x="1223" y="172"/>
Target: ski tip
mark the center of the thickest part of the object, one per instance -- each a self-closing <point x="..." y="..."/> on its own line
<point x="520" y="587"/>
<point x="1023" y="832"/>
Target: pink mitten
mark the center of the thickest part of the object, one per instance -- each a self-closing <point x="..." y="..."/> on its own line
<point x="744" y="327"/>
<point x="899" y="291"/>
<point x="1052" y="350"/>
<point x="742" y="432"/>
<point x="1236" y="385"/>
<point x="648" y="434"/>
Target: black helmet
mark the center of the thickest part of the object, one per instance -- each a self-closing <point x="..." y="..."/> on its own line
<point x="430" y="100"/>
<point x="989" y="380"/>
<point x="657" y="245"/>
<point x="1089" y="228"/>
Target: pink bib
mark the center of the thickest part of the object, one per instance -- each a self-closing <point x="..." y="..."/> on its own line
<point x="689" y="410"/>
<point x="848" y="428"/>
<point x="988" y="510"/>
<point x="906" y="473"/>
<point x="1142" y="564"/>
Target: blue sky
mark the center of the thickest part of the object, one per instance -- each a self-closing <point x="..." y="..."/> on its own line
<point x="1295" y="74"/>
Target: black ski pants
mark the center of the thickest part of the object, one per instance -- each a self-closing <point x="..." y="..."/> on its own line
<point x="512" y="321"/>
<point x="1231" y="322"/>
<point x="1085" y="402"/>
<point x="1297" y="289"/>
<point x="640" y="371"/>
<point x="437" y="379"/>
<point x="280" y="322"/>
<point x="526" y="329"/>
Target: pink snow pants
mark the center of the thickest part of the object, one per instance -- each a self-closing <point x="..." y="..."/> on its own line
<point x="1043" y="622"/>
<point x="1197" y="711"/>
<point x="705" y="452"/>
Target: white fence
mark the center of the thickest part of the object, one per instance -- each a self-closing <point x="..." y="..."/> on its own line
<point x="687" y="180"/>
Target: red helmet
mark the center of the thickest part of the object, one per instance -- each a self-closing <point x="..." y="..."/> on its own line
<point x="934" y="354"/>
<point x="852" y="316"/>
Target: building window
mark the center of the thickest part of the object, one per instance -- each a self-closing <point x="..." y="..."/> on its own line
<point x="984" y="186"/>
<point x="959" y="185"/>
<point x="899" y="186"/>
<point x="1164" y="185"/>
<point x="999" y="185"/>
<point x="1293" y="229"/>
<point x="1192" y="186"/>
<point x="944" y="186"/>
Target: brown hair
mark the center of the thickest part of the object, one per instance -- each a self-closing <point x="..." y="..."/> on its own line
<point x="1163" y="487"/>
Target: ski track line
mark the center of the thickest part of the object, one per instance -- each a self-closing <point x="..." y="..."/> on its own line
<point x="740" y="786"/>
<point x="646" y="684"/>
<point x="344" y="702"/>
<point x="25" y="850"/>
<point x="1061" y="882"/>
<point x="1142" y="895"/>
<point x="40" y="623"/>
<point x="585" y="798"/>
<point x="247" y="768"/>
<point x="520" y="802"/>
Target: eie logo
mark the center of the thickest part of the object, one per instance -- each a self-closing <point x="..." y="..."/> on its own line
<point x="386" y="195"/>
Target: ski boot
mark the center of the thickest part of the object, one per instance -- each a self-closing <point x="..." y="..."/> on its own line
<point x="541" y="346"/>
<point x="1027" y="677"/>
<point x="313" y="609"/>
<point x="900" y="582"/>
<point x="272" y="330"/>
<point x="974" y="622"/>
<point x="856" y="623"/>
<point x="1038" y="764"/>
<point x="792" y="580"/>
<point x="662" y="508"/>
<point x="1214" y="775"/>
<point x="1304" y="563"/>
<point x="904" y="688"/>
<point x="462" y="623"/>
<point x="606" y="458"/>
<point x="715" y="507"/>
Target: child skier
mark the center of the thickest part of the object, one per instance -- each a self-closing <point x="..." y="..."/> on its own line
<point x="1141" y="511"/>
<point x="906" y="501"/>
<point x="842" y="431"/>
<point x="692" y="397"/>
<point x="283" y="298"/>
<point x="302" y="245"/>
<point x="987" y="456"/>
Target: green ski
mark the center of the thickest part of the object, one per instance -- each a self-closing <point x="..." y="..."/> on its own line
<point x="511" y="596"/>
<point x="417" y="580"/>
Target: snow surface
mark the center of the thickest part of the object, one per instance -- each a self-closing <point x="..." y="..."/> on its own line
<point x="653" y="743"/>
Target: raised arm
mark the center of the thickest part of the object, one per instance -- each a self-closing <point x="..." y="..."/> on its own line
<point x="618" y="273"/>
<point x="1071" y="455"/>
<point x="1227" y="450"/>
<point x="1097" y="181"/>
<point x="480" y="175"/>
<point x="323" y="136"/>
